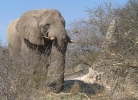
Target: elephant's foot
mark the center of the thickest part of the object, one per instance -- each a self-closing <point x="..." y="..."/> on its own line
<point x="59" y="88"/>
<point x="59" y="84"/>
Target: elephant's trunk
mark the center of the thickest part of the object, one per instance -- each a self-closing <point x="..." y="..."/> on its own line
<point x="60" y="53"/>
<point x="60" y="73"/>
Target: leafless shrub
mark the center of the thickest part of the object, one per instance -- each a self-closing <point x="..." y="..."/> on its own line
<point x="20" y="77"/>
<point x="89" y="33"/>
<point x="120" y="63"/>
<point x="26" y="79"/>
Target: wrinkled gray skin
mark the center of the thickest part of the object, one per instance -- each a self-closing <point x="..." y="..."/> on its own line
<point x="27" y="34"/>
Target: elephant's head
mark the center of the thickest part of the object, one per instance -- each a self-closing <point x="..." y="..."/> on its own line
<point x="41" y="26"/>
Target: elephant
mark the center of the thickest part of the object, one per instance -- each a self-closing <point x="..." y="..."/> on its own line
<point x="40" y="31"/>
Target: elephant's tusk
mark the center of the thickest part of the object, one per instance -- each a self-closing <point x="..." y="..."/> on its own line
<point x="52" y="38"/>
<point x="72" y="41"/>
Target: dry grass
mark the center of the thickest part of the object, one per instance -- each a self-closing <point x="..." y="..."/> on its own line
<point x="18" y="82"/>
<point x="26" y="79"/>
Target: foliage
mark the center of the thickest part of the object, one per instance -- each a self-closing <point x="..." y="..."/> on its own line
<point x="120" y="63"/>
<point x="26" y="79"/>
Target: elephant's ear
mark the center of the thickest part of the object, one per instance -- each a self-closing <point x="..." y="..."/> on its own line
<point x="28" y="27"/>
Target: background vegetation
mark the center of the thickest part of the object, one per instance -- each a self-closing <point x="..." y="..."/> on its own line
<point x="119" y="65"/>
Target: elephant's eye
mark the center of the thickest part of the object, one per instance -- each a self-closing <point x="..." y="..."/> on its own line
<point x="46" y="26"/>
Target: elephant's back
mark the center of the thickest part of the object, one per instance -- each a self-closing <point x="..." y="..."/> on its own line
<point x="13" y="38"/>
<point x="32" y="13"/>
<point x="12" y="28"/>
<point x="37" y="12"/>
